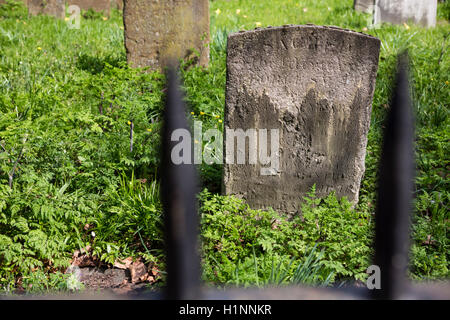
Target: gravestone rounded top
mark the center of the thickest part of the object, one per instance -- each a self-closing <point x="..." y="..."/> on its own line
<point x="314" y="84"/>
<point x="292" y="27"/>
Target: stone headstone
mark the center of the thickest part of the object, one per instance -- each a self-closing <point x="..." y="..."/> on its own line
<point x="315" y="86"/>
<point x="96" y="5"/>
<point x="404" y="11"/>
<point x="364" y="5"/>
<point x="48" y="7"/>
<point x="156" y="31"/>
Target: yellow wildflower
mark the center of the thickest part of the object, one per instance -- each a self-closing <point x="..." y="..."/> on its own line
<point x="446" y="82"/>
<point x="66" y="19"/>
<point x="149" y="130"/>
<point x="258" y="24"/>
<point x="39" y="48"/>
<point x="105" y="18"/>
<point x="217" y="116"/>
<point x="121" y="28"/>
<point x="195" y="141"/>
<point x="406" y="26"/>
<point x="244" y="16"/>
<point x="202" y="113"/>
<point x="220" y="121"/>
<point x="217" y="11"/>
<point x="129" y="122"/>
<point x="238" y="11"/>
<point x="192" y="113"/>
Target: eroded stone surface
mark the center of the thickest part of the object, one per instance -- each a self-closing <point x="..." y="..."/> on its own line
<point x="364" y="5"/>
<point x="315" y="84"/>
<point x="48" y="7"/>
<point x="96" y="5"/>
<point x="400" y="11"/>
<point x="156" y="31"/>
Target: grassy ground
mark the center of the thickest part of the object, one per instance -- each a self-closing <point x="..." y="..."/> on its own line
<point x="67" y="99"/>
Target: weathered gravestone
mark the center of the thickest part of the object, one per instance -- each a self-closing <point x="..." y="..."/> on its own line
<point x="157" y="31"/>
<point x="315" y="85"/>
<point x="48" y="7"/>
<point x="364" y="5"/>
<point x="96" y="5"/>
<point x="402" y="11"/>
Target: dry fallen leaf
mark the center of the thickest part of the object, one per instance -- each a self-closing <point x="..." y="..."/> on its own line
<point x="144" y="277"/>
<point x="85" y="250"/>
<point x="137" y="270"/>
<point x="85" y="261"/>
<point x="154" y="271"/>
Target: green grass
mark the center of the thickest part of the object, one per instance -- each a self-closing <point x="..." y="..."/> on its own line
<point x="67" y="98"/>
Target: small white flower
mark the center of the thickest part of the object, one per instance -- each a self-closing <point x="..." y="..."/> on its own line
<point x="93" y="234"/>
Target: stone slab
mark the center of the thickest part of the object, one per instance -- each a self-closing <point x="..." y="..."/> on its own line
<point x="421" y="12"/>
<point x="315" y="85"/>
<point x="54" y="8"/>
<point x="156" y="31"/>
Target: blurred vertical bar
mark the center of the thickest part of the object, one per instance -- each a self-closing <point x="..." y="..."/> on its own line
<point x="395" y="190"/>
<point x="178" y="185"/>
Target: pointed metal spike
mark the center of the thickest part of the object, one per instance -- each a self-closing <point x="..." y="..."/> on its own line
<point x="179" y="185"/>
<point x="395" y="190"/>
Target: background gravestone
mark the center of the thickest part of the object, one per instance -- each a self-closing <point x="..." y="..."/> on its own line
<point x="96" y="5"/>
<point x="400" y="11"/>
<point x="48" y="7"/>
<point x="158" y="30"/>
<point x="315" y="84"/>
<point x="364" y="5"/>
